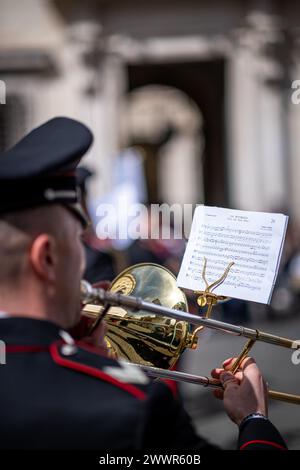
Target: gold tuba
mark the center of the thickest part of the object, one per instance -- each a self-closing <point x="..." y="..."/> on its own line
<point x="143" y="337"/>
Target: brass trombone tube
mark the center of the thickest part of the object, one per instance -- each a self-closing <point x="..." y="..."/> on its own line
<point x="209" y="382"/>
<point x="282" y="396"/>
<point x="155" y="372"/>
<point x="101" y="296"/>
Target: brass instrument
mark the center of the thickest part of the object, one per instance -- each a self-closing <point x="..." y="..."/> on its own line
<point x="141" y="336"/>
<point x="149" y="324"/>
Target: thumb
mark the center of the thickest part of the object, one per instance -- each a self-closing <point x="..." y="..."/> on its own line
<point x="228" y="379"/>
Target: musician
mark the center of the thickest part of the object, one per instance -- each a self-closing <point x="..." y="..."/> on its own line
<point x="57" y="393"/>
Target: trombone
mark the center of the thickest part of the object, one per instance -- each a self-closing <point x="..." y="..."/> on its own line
<point x="152" y="334"/>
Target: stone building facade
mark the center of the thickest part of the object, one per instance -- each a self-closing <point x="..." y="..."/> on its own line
<point x="206" y="86"/>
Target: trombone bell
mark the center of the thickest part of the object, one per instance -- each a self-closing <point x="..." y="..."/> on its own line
<point x="143" y="337"/>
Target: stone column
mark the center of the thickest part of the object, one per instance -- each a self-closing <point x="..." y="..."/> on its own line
<point x="256" y="154"/>
<point x="294" y="127"/>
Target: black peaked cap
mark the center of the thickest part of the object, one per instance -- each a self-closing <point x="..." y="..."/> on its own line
<point x="51" y="147"/>
<point x="40" y="168"/>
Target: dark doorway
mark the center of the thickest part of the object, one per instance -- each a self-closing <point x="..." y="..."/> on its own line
<point x="203" y="82"/>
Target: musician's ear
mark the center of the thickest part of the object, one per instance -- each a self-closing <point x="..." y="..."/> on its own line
<point x="43" y="257"/>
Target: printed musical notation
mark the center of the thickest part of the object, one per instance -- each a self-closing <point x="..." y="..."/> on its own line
<point x="252" y="240"/>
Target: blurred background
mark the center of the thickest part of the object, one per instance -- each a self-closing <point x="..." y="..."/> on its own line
<point x="190" y="102"/>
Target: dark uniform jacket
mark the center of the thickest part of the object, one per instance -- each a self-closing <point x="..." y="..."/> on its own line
<point x="55" y="395"/>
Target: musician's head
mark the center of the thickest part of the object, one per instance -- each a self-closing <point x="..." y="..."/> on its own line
<point x="41" y="255"/>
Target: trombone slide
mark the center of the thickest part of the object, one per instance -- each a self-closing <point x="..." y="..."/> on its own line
<point x="91" y="295"/>
<point x="155" y="372"/>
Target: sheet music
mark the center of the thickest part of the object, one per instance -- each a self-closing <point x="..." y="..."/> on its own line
<point x="252" y="240"/>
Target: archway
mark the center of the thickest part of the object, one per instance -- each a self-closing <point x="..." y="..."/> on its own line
<point x="166" y="125"/>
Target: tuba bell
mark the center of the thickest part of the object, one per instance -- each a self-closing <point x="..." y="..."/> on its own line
<point x="142" y="337"/>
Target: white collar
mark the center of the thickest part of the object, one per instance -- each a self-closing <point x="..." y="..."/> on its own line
<point x="3" y="315"/>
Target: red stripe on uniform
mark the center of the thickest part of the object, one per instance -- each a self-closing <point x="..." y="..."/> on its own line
<point x="257" y="441"/>
<point x="92" y="371"/>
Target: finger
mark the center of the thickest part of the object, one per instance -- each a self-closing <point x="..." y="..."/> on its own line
<point x="228" y="361"/>
<point x="219" y="394"/>
<point x="228" y="379"/>
<point x="248" y="361"/>
<point x="81" y="328"/>
<point x="230" y="364"/>
<point x="215" y="373"/>
<point x="239" y="375"/>
<point x="99" y="345"/>
<point x="102" y="285"/>
<point x="100" y="330"/>
<point x="97" y="338"/>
